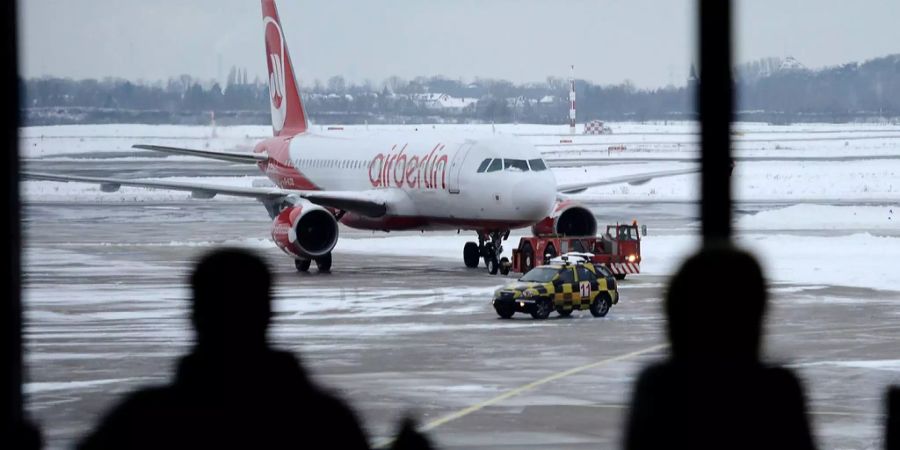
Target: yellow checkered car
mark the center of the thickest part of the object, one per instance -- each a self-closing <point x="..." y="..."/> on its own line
<point x="564" y="285"/>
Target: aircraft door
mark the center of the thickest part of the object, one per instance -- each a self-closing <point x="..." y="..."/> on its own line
<point x="456" y="165"/>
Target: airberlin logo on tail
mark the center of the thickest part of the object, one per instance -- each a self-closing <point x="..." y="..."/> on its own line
<point x="275" y="61"/>
<point x="402" y="169"/>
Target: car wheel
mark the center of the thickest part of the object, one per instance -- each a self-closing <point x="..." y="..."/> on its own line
<point x="302" y="265"/>
<point x="504" y="266"/>
<point x="601" y="306"/>
<point x="470" y="254"/>
<point x="620" y="276"/>
<point x="505" y="312"/>
<point x="564" y="312"/>
<point x="542" y="310"/>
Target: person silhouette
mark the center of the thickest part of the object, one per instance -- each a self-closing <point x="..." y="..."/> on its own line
<point x="713" y="392"/>
<point x="233" y="390"/>
<point x="892" y="421"/>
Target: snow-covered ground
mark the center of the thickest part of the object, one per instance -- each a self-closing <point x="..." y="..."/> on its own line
<point x="864" y="236"/>
<point x="817" y="226"/>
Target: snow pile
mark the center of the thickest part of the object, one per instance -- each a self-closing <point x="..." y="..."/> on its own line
<point x="821" y="217"/>
<point x="859" y="260"/>
<point x="756" y="181"/>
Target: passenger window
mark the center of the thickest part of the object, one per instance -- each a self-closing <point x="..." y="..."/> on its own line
<point x="567" y="276"/>
<point x="484" y="165"/>
<point x="586" y="275"/>
<point x="496" y="165"/>
<point x="537" y="165"/>
<point x="515" y="164"/>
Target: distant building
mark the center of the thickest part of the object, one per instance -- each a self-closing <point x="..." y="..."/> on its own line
<point x="445" y="102"/>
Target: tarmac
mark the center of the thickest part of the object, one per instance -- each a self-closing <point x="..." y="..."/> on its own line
<point x="106" y="308"/>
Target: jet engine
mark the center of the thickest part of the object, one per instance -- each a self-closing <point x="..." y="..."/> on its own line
<point x="305" y="230"/>
<point x="568" y="218"/>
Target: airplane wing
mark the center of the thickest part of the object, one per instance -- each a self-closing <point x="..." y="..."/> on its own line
<point x="640" y="178"/>
<point x="367" y="203"/>
<point x="238" y="157"/>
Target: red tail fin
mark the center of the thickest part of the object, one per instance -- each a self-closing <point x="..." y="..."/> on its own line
<point x="288" y="114"/>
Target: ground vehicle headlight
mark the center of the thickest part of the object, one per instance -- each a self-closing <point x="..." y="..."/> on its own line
<point x="632" y="258"/>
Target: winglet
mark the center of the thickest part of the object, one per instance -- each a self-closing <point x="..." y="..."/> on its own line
<point x="288" y="113"/>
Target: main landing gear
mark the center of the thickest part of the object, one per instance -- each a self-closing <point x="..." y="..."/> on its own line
<point x="323" y="263"/>
<point x="489" y="247"/>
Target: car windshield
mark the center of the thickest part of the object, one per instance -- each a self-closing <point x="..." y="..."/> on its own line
<point x="540" y="275"/>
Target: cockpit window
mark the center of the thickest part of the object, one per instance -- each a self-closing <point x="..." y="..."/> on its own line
<point x="484" y="165"/>
<point x="537" y="165"/>
<point x="496" y="165"/>
<point x="515" y="164"/>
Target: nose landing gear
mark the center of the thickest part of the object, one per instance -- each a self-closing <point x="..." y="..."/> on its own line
<point x="489" y="247"/>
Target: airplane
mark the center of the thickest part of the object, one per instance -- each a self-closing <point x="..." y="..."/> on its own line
<point x="387" y="181"/>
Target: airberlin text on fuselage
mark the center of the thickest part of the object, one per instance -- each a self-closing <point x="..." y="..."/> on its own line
<point x="402" y="169"/>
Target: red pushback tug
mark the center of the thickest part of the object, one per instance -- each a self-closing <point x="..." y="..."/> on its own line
<point x="619" y="249"/>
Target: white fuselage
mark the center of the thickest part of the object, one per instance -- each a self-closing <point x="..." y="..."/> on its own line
<point x="432" y="180"/>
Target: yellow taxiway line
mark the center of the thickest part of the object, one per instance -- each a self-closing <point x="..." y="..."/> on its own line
<point x="527" y="387"/>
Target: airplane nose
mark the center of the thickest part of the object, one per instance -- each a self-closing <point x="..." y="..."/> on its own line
<point x="534" y="198"/>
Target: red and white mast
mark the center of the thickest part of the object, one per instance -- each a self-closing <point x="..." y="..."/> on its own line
<point x="572" y="101"/>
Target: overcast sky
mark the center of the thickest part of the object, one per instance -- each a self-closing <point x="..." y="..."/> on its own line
<point x="648" y="42"/>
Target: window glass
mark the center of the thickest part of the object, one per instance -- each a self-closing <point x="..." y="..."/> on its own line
<point x="537" y="165"/>
<point x="585" y="275"/>
<point x="567" y="276"/>
<point x="539" y="275"/>
<point x="603" y="270"/>
<point x="496" y="165"/>
<point x="484" y="165"/>
<point x="515" y="164"/>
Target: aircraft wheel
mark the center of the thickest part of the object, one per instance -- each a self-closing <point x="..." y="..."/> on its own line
<point x="493" y="266"/>
<point x="488" y="253"/>
<point x="470" y="254"/>
<point x="527" y="258"/>
<point x="302" y="265"/>
<point x="504" y="266"/>
<point x="324" y="263"/>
